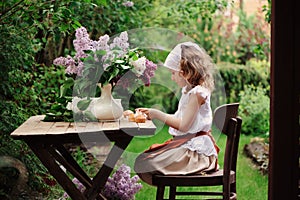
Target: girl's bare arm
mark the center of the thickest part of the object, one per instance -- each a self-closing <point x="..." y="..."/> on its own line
<point x="195" y="101"/>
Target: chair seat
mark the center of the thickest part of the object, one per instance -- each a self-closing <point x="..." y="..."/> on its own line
<point x="207" y="179"/>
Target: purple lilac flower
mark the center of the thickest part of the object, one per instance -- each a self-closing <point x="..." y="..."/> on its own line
<point x="69" y="62"/>
<point x="115" y="50"/>
<point x="82" y="42"/>
<point x="102" y="43"/>
<point x="128" y="3"/>
<point x="121" y="42"/>
<point x="121" y="186"/>
<point x="124" y="41"/>
<point x="149" y="72"/>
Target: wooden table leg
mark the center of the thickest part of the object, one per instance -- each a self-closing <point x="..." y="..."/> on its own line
<point x="71" y="165"/>
<point x="41" y="151"/>
<point x="101" y="177"/>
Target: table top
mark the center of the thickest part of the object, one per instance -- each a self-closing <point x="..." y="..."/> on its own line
<point x="47" y="140"/>
<point x="36" y="127"/>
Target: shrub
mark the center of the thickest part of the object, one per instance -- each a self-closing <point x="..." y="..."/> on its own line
<point x="262" y="67"/>
<point x="236" y="77"/>
<point x="255" y="110"/>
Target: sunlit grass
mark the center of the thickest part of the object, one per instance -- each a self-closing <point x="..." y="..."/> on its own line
<point x="251" y="184"/>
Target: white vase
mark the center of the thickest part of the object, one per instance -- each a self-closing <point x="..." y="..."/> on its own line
<point x="106" y="108"/>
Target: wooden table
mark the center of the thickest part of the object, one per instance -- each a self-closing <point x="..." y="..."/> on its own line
<point x="47" y="139"/>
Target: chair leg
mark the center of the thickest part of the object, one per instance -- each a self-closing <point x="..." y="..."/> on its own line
<point x="226" y="192"/>
<point x="233" y="187"/>
<point x="160" y="192"/>
<point x="172" y="194"/>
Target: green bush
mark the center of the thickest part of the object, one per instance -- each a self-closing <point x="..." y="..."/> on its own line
<point x="262" y="67"/>
<point x="46" y="82"/>
<point x="11" y="117"/>
<point x="26" y="93"/>
<point x="236" y="77"/>
<point x="255" y="110"/>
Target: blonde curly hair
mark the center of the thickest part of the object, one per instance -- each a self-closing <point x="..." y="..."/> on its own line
<point x="197" y="67"/>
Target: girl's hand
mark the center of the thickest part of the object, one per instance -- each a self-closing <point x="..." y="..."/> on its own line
<point x="145" y="111"/>
<point x="153" y="113"/>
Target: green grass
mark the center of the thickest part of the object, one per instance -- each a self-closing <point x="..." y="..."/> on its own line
<point x="251" y="184"/>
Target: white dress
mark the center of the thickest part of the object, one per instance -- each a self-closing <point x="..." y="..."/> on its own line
<point x="197" y="155"/>
<point x="202" y="122"/>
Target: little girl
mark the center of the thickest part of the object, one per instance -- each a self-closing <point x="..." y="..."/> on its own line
<point x="192" y="149"/>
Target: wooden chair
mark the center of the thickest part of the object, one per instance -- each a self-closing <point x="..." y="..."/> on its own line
<point x="227" y="121"/>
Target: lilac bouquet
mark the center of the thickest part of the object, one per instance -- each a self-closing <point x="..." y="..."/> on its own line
<point x="118" y="187"/>
<point x="113" y="63"/>
<point x="98" y="63"/>
<point x="121" y="186"/>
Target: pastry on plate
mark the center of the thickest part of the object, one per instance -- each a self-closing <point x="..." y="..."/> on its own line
<point x="126" y="113"/>
<point x="131" y="117"/>
<point x="140" y="118"/>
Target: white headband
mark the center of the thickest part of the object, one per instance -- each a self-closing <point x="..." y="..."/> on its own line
<point x="173" y="59"/>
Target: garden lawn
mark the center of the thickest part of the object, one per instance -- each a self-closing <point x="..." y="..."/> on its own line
<point x="251" y="184"/>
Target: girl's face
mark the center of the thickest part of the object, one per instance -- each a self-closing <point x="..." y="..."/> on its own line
<point x="178" y="78"/>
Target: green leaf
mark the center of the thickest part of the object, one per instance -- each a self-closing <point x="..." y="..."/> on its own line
<point x="69" y="82"/>
<point x="56" y="107"/>
<point x="89" y="59"/>
<point x="102" y="2"/>
<point x="135" y="57"/>
<point x="113" y="74"/>
<point x="83" y="104"/>
<point x="61" y="100"/>
<point x="119" y="61"/>
<point x="88" y="114"/>
<point x="125" y="67"/>
<point x="76" y="24"/>
<point x="100" y="52"/>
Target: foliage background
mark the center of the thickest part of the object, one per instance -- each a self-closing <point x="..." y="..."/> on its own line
<point x="35" y="32"/>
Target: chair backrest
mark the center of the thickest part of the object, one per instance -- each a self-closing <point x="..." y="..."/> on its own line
<point x="227" y="121"/>
<point x="223" y="114"/>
